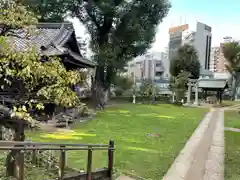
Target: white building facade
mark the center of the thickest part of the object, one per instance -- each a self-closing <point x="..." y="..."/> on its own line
<point x="202" y="43"/>
<point x="151" y="65"/>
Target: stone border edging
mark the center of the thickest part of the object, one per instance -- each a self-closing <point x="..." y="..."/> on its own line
<point x="182" y="163"/>
<point x="214" y="166"/>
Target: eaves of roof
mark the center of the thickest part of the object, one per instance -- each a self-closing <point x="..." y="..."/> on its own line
<point x="49" y="40"/>
<point x="212" y="83"/>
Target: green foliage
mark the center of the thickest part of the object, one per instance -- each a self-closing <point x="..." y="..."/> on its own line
<point x="49" y="10"/>
<point x="231" y="53"/>
<point x="14" y="15"/>
<point x="183" y="66"/>
<point x="124" y="82"/>
<point x="120" y="30"/>
<point x="147" y="89"/>
<point x="178" y="85"/>
<point x="186" y="60"/>
<point x="42" y="80"/>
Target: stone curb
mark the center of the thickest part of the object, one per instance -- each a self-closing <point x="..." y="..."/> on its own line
<point x="214" y="167"/>
<point x="182" y="163"/>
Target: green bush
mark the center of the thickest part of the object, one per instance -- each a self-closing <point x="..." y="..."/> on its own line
<point x="140" y="99"/>
<point x="119" y="91"/>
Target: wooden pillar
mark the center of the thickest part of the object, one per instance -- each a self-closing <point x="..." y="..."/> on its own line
<point x="189" y="93"/>
<point x="220" y="96"/>
<point x="19" y="164"/>
<point x="62" y="163"/>
<point x="110" y="159"/>
<point x="205" y="94"/>
<point x="1" y="132"/>
<point x="89" y="164"/>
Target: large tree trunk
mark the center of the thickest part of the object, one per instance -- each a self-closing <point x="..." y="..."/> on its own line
<point x="14" y="158"/>
<point x="106" y="96"/>
<point x="101" y="85"/>
<point x="234" y="88"/>
<point x="235" y="83"/>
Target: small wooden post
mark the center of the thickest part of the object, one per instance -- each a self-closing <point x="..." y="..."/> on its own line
<point x="1" y="132"/>
<point x="110" y="159"/>
<point x="34" y="157"/>
<point x="89" y="164"/>
<point x="21" y="165"/>
<point x="62" y="163"/>
<point x="220" y="96"/>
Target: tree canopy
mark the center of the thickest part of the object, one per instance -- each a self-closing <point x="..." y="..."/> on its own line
<point x="186" y="60"/>
<point x="148" y="89"/>
<point x="39" y="77"/>
<point x="231" y="53"/>
<point x="28" y="77"/>
<point x="120" y="30"/>
<point x="183" y="66"/>
<point x="49" y="10"/>
<point x="178" y="85"/>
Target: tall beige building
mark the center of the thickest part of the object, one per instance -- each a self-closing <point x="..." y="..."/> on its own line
<point x="218" y="61"/>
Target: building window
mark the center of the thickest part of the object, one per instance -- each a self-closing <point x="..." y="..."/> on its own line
<point x="158" y="64"/>
<point x="208" y="51"/>
<point x="158" y="73"/>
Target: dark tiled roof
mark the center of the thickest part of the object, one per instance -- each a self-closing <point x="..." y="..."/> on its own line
<point x="48" y="39"/>
<point x="162" y="81"/>
<point x="212" y="83"/>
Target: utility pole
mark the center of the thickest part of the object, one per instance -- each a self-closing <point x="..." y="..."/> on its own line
<point x="153" y="83"/>
<point x="134" y="89"/>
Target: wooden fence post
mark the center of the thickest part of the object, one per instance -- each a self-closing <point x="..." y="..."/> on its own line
<point x="62" y="163"/>
<point x="20" y="165"/>
<point x="89" y="164"/>
<point x="110" y="159"/>
<point x="34" y="157"/>
<point x="1" y="132"/>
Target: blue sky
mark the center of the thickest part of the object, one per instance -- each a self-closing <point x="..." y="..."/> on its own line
<point x="210" y="7"/>
<point x="222" y="15"/>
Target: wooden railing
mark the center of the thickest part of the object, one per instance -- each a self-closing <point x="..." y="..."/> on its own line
<point x="22" y="147"/>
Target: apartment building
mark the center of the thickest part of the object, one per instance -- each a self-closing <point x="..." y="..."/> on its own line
<point x="151" y="65"/>
<point x="218" y="62"/>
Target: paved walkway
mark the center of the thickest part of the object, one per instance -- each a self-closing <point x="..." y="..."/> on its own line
<point x="232" y="129"/>
<point x="202" y="158"/>
<point x="123" y="177"/>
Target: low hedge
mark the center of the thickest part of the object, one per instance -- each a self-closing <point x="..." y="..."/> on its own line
<point x="142" y="99"/>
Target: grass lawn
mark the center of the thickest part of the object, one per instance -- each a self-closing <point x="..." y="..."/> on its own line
<point x="132" y="126"/>
<point x="232" y="119"/>
<point x="232" y="146"/>
<point x="227" y="103"/>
